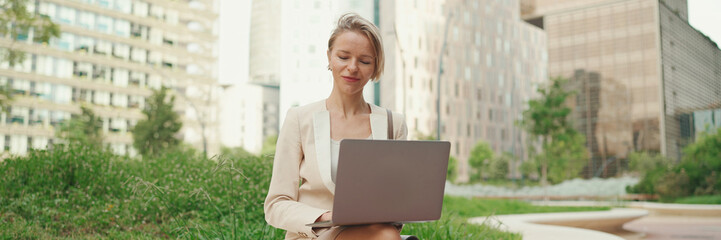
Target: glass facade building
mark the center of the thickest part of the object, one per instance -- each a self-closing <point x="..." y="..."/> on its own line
<point x="110" y="56"/>
<point x="492" y="65"/>
<point x="636" y="66"/>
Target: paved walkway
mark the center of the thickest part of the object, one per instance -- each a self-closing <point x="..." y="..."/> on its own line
<point x="664" y="222"/>
<point x="569" y="225"/>
<point x="677" y="221"/>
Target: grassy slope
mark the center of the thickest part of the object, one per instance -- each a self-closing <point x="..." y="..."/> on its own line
<point x="85" y="193"/>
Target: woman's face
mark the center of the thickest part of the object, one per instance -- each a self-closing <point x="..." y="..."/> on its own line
<point x="351" y="59"/>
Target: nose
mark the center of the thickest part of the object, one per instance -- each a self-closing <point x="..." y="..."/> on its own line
<point x="353" y="66"/>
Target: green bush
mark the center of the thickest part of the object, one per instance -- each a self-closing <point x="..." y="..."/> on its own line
<point x="88" y="193"/>
<point x="480" y="157"/>
<point x="452" y="171"/>
<point x="642" y="162"/>
<point x="696" y="174"/>
<point x="702" y="164"/>
<point x="497" y="167"/>
<point x="91" y="193"/>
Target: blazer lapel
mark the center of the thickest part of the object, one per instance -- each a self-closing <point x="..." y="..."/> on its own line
<point x="321" y="131"/>
<point x="379" y="122"/>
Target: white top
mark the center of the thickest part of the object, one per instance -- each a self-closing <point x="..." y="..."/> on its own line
<point x="334" y="150"/>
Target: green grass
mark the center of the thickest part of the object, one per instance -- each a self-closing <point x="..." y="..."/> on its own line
<point x="79" y="192"/>
<point x="84" y="193"/>
<point x="711" y="199"/>
<point x="469" y="207"/>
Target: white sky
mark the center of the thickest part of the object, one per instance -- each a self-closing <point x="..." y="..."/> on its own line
<point x="705" y="15"/>
<point x="233" y="41"/>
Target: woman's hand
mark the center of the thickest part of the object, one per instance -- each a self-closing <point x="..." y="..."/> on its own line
<point x="325" y="217"/>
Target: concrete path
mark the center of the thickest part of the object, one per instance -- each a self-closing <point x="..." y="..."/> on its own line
<point x="676" y="227"/>
<point x="568" y="225"/>
<point x="677" y="221"/>
<point x="665" y="220"/>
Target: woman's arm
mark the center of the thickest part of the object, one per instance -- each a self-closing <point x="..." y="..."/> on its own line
<point x="282" y="209"/>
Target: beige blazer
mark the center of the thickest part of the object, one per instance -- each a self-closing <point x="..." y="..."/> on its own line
<point x="301" y="188"/>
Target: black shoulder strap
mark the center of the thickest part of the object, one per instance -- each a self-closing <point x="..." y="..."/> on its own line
<point x="390" y="124"/>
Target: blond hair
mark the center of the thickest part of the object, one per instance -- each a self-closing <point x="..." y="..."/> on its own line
<point x="354" y="22"/>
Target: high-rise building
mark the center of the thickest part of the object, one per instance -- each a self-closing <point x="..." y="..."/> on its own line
<point x="110" y="56"/>
<point x="249" y="113"/>
<point x="637" y="66"/>
<point x="493" y="62"/>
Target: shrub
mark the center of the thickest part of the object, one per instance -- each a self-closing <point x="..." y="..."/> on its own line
<point x="478" y="160"/>
<point x="642" y="162"/>
<point x="697" y="173"/>
<point x="88" y="193"/>
<point x="497" y="167"/>
<point x="452" y="172"/>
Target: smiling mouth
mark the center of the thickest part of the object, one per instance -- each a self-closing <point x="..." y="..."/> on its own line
<point x="350" y="79"/>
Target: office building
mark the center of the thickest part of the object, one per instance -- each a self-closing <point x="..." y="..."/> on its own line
<point x="110" y="56"/>
<point x="644" y="66"/>
<point x="249" y="114"/>
<point x="492" y="65"/>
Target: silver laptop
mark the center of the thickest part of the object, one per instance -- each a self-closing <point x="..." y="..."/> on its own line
<point x="388" y="181"/>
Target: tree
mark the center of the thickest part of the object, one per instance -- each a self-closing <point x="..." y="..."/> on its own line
<point x="497" y="166"/>
<point x="83" y="129"/>
<point x="452" y="171"/>
<point x="702" y="163"/>
<point x="547" y="118"/>
<point x="157" y="131"/>
<point x="480" y="156"/>
<point x="697" y="173"/>
<point x="18" y="23"/>
<point x="568" y="156"/>
<point x="5" y="97"/>
<point x="643" y="162"/>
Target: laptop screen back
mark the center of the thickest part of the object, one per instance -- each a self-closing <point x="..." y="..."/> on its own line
<point x="390" y="181"/>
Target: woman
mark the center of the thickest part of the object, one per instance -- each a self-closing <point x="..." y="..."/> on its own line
<point x="302" y="187"/>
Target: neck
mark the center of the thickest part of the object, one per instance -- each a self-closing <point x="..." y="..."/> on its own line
<point x="347" y="105"/>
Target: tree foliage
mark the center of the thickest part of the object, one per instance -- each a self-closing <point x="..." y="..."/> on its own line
<point x="497" y="166"/>
<point x="5" y="97"/>
<point x="17" y="23"/>
<point x="547" y="118"/>
<point x="157" y="131"/>
<point x="480" y="156"/>
<point x="642" y="162"/>
<point x="702" y="164"/>
<point x="696" y="174"/>
<point x="452" y="171"/>
<point x="567" y="155"/>
<point x="83" y="129"/>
